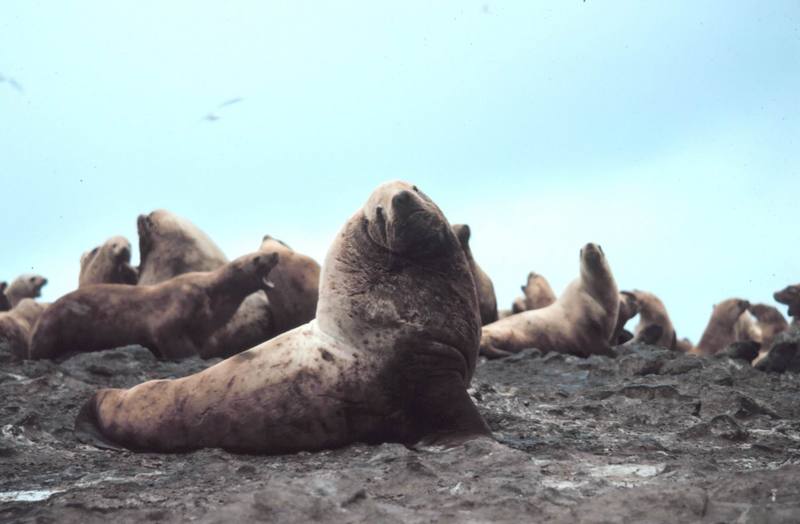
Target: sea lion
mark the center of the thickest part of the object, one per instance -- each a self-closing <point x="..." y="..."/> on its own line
<point x="5" y="305"/>
<point x="16" y="325"/>
<point x="108" y="264"/>
<point x="387" y="359"/>
<point x="652" y="312"/>
<point x="719" y="332"/>
<point x="790" y="296"/>
<point x="536" y="292"/>
<point x="746" y="328"/>
<point x="172" y="319"/>
<point x="628" y="308"/>
<point x="580" y="322"/>
<point x="170" y="245"/>
<point x="770" y="322"/>
<point x="487" y="300"/>
<point x="684" y="345"/>
<point x="25" y="286"/>
<point x="293" y="300"/>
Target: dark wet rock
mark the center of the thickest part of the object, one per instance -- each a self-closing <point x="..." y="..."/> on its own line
<point x="522" y="355"/>
<point x="680" y="365"/>
<point x="637" y="365"/>
<point x="784" y="355"/>
<point x="743" y="350"/>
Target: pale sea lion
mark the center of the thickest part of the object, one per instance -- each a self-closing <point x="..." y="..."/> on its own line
<point x="170" y="245"/>
<point x="746" y="329"/>
<point x="108" y="264"/>
<point x="628" y="308"/>
<point x="719" y="332"/>
<point x="172" y="319"/>
<point x="25" y="286"/>
<point x="487" y="300"/>
<point x="652" y="312"/>
<point x="387" y="359"/>
<point x="16" y="325"/>
<point x="5" y="305"/>
<point x="790" y="296"/>
<point x="580" y="322"/>
<point x="770" y="322"/>
<point x="536" y="294"/>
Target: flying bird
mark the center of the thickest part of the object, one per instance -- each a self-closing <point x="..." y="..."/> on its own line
<point x="13" y="83"/>
<point x="214" y="116"/>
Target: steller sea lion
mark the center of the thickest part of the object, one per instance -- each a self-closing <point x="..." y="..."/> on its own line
<point x="684" y="345"/>
<point x="108" y="264"/>
<point x="537" y="294"/>
<point x="580" y="322"/>
<point x="652" y="312"/>
<point x="5" y="305"/>
<point x="628" y="308"/>
<point x="719" y="332"/>
<point x="172" y="319"/>
<point x="387" y="359"/>
<point x="25" y="286"/>
<point x="487" y="300"/>
<point x="170" y="245"/>
<point x="16" y="325"/>
<point x="790" y="296"/>
<point x="770" y="322"/>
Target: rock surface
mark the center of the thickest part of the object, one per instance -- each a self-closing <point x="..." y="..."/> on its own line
<point x="650" y="436"/>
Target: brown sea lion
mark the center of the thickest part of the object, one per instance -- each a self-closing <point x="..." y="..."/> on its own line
<point x="387" y="359"/>
<point x="790" y="296"/>
<point x="25" y="286"/>
<point x="746" y="328"/>
<point x="536" y="294"/>
<point x="293" y="300"/>
<point x="770" y="322"/>
<point x="170" y="245"/>
<point x="5" y="305"/>
<point x="16" y="325"/>
<point x="486" y="297"/>
<point x="172" y="319"/>
<point x="580" y="322"/>
<point x="684" y="345"/>
<point x="719" y="332"/>
<point x="652" y="312"/>
<point x="628" y="308"/>
<point x="108" y="264"/>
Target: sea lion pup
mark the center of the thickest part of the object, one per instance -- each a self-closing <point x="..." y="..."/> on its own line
<point x="580" y="322"/>
<point x="108" y="264"/>
<point x="170" y="245"/>
<point x="790" y="296"/>
<point x="172" y="319"/>
<point x="25" y="286"/>
<point x="628" y="308"/>
<point x="536" y="292"/>
<point x="652" y="312"/>
<point x="5" y="305"/>
<point x="16" y="325"/>
<point x="487" y="301"/>
<point x="719" y="332"/>
<point x="770" y="321"/>
<point x="387" y="359"/>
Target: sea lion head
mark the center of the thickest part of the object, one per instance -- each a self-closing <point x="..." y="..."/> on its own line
<point x="270" y="243"/>
<point x="628" y="305"/>
<point x="728" y="311"/>
<point x="765" y="313"/>
<point x="27" y="286"/>
<point x="790" y="295"/>
<point x="537" y="292"/>
<point x="109" y="263"/>
<point x="254" y="269"/>
<point x="405" y="221"/>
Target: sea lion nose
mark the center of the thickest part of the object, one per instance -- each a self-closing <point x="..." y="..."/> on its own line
<point x="402" y="201"/>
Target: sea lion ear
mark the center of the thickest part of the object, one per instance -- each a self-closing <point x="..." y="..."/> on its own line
<point x="463" y="233"/>
<point x="3" y="286"/>
<point x="651" y="334"/>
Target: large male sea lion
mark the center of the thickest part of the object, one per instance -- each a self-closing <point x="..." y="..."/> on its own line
<point x="25" y="286"/>
<point x="172" y="319"/>
<point x="790" y="296"/>
<point x="719" y="332"/>
<point x="109" y="263"/>
<point x="170" y="245"/>
<point x="387" y="359"/>
<point x="652" y="312"/>
<point x="5" y="305"/>
<point x="487" y="301"/>
<point x="580" y="322"/>
<point x="16" y="325"/>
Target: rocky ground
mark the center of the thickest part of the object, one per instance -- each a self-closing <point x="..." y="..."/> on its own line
<point x="651" y="436"/>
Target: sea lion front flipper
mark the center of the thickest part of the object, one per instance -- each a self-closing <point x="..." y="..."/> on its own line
<point x="452" y="420"/>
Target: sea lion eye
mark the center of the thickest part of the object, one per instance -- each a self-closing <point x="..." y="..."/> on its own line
<point x="415" y="188"/>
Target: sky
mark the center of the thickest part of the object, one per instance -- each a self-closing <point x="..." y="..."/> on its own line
<point x="667" y="132"/>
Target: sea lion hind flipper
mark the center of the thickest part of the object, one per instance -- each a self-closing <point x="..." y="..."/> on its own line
<point x="489" y="351"/>
<point x="87" y="428"/>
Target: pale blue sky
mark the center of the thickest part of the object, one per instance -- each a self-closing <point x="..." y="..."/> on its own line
<point x="668" y="132"/>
